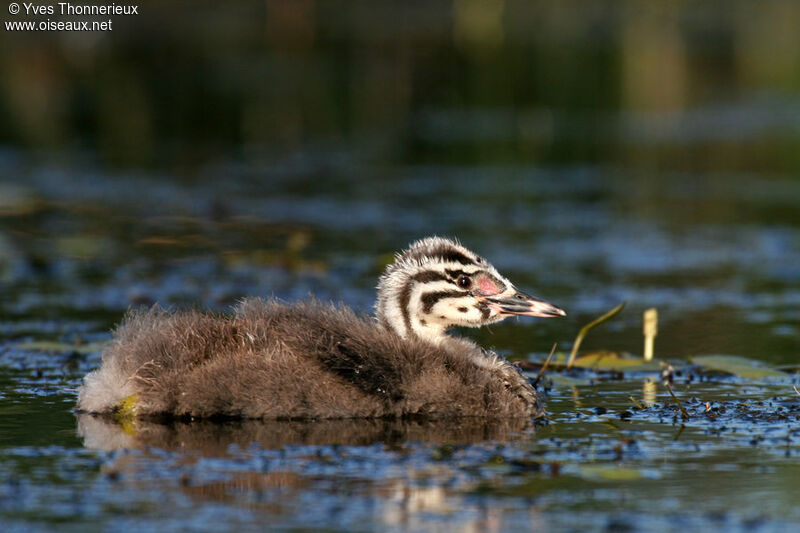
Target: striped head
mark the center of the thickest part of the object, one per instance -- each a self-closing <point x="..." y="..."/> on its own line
<point x="437" y="283"/>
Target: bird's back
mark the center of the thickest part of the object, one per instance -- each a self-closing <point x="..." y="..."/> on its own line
<point x="306" y="360"/>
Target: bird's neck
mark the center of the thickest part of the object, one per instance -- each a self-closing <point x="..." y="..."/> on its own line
<point x="413" y="327"/>
<point x="430" y="333"/>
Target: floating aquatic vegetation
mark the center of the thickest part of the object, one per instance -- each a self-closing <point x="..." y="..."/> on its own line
<point x="684" y="412"/>
<point x="55" y="346"/>
<point x="587" y="328"/>
<point x="737" y="366"/>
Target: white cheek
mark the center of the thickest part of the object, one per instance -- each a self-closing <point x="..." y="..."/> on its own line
<point x="456" y="312"/>
<point x="439" y="313"/>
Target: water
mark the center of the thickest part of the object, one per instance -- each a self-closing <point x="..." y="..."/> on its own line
<point x="290" y="151"/>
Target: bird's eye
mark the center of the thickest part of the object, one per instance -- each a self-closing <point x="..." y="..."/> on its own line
<point x="464" y="282"/>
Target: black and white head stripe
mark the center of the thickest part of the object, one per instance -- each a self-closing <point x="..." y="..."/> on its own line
<point x="440" y="250"/>
<point x="429" y="288"/>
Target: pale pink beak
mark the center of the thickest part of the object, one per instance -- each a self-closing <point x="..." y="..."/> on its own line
<point x="520" y="303"/>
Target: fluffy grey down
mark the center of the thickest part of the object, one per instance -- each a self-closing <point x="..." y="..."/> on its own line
<point x="307" y="360"/>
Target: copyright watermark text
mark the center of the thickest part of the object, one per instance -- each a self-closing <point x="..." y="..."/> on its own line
<point x="74" y="16"/>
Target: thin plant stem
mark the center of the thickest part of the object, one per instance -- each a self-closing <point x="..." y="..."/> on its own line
<point x="544" y="366"/>
<point x="585" y="329"/>
<point x="684" y="412"/>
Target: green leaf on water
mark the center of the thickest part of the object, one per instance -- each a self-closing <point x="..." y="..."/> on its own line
<point x="613" y="361"/>
<point x="566" y="381"/>
<point x="53" y="346"/>
<point x="611" y="472"/>
<point x="738" y="366"/>
<point x="82" y="246"/>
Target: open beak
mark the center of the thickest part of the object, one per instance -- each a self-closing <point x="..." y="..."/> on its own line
<point x="520" y="303"/>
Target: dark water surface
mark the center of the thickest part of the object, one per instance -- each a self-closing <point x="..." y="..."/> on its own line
<point x="594" y="155"/>
<point x="75" y="264"/>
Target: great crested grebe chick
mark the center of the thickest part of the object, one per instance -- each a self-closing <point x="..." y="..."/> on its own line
<point x="313" y="360"/>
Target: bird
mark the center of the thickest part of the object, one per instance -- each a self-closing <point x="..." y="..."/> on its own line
<point x="270" y="359"/>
